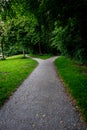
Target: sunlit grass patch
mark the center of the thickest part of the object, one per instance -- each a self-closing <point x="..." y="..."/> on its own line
<point x="13" y="71"/>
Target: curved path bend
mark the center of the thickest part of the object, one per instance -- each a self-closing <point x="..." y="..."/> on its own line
<point x="40" y="103"/>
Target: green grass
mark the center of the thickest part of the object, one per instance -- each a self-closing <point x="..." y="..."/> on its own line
<point x="75" y="78"/>
<point x="44" y="56"/>
<point x="13" y="71"/>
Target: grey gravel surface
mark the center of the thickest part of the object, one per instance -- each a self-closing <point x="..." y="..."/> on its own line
<point x="40" y="103"/>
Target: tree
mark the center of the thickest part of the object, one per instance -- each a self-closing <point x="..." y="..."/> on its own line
<point x="2" y="38"/>
<point x="70" y="15"/>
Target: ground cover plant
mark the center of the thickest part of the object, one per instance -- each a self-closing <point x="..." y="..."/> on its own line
<point x="13" y="71"/>
<point x="75" y="79"/>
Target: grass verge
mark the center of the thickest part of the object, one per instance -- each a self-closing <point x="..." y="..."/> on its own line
<point x="75" y="79"/>
<point x="43" y="56"/>
<point x="13" y="71"/>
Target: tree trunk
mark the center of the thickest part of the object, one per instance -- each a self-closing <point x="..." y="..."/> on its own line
<point x="39" y="48"/>
<point x="23" y="53"/>
<point x="2" y="50"/>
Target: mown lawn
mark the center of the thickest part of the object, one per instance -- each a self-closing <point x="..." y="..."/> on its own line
<point x="13" y="71"/>
<point x="75" y="78"/>
<point x="43" y="56"/>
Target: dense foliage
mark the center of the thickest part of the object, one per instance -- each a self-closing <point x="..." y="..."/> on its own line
<point x="43" y="26"/>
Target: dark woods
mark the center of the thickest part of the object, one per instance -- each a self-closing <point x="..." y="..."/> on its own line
<point x="44" y="26"/>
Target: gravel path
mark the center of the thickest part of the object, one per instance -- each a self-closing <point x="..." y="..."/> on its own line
<point x="40" y="103"/>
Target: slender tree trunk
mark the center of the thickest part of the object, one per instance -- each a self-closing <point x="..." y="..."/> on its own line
<point x="39" y="48"/>
<point x="2" y="50"/>
<point x="39" y="43"/>
<point x="23" y="53"/>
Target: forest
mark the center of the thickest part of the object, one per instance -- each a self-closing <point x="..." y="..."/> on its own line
<point x="44" y="27"/>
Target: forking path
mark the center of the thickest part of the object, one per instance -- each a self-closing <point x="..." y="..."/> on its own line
<point x="41" y="103"/>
